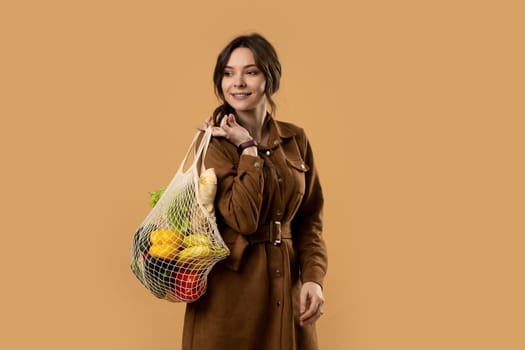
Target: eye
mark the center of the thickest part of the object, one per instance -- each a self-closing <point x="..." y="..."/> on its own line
<point x="227" y="74"/>
<point x="252" y="72"/>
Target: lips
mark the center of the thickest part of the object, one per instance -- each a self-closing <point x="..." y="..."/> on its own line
<point x="240" y="95"/>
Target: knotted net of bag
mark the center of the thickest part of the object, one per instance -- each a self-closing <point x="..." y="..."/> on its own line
<point x="178" y="243"/>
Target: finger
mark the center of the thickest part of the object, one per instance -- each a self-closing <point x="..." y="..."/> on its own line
<point x="311" y="311"/>
<point x="224" y="122"/>
<point x="313" y="304"/>
<point x="310" y="320"/>
<point x="303" y="300"/>
<point x="311" y="317"/>
<point x="232" y="121"/>
<point x="218" y="132"/>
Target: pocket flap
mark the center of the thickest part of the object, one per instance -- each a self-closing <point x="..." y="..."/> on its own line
<point x="298" y="164"/>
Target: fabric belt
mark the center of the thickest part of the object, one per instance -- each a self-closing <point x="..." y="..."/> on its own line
<point x="272" y="232"/>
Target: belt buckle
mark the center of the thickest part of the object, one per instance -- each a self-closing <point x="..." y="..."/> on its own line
<point x="275" y="239"/>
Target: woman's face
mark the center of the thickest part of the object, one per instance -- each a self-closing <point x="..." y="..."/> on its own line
<point x="243" y="83"/>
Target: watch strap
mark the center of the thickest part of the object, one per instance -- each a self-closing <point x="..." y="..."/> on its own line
<point x="246" y="144"/>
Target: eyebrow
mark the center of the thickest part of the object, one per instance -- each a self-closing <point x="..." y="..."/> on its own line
<point x="247" y="66"/>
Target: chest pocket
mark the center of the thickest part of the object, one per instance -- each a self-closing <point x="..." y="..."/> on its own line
<point x="298" y="169"/>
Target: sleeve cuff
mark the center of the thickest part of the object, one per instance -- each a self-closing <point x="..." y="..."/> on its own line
<point x="247" y="163"/>
<point x="315" y="275"/>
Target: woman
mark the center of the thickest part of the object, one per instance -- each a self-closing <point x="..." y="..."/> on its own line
<point x="268" y="293"/>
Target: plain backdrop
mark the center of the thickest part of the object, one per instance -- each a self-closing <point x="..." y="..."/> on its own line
<point x="415" y="111"/>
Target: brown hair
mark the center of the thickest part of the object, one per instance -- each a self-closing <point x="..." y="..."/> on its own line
<point x="266" y="60"/>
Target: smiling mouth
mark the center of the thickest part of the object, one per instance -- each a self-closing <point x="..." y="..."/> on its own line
<point x="241" y="94"/>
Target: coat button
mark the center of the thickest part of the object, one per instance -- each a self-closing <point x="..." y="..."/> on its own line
<point x="275" y="142"/>
<point x="256" y="164"/>
<point x="278" y="303"/>
<point x="268" y="152"/>
<point x="302" y="166"/>
<point x="280" y="180"/>
<point x="278" y="273"/>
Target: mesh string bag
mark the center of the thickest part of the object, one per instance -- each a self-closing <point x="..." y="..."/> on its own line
<point x="178" y="243"/>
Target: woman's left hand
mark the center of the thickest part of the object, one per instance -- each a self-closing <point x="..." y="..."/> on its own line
<point x="312" y="301"/>
<point x="229" y="129"/>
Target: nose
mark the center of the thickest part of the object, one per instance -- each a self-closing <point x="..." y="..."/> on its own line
<point x="239" y="81"/>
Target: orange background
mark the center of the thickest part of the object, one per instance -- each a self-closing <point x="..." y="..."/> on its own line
<point x="414" y="108"/>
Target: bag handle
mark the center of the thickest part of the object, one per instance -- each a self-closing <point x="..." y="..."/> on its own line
<point x="206" y="139"/>
<point x="198" y="152"/>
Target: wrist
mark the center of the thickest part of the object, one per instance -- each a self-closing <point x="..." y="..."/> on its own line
<point x="245" y="145"/>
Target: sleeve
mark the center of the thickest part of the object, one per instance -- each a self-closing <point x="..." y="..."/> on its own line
<point x="239" y="187"/>
<point x="307" y="223"/>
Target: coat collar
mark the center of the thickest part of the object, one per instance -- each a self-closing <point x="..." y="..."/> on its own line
<point x="278" y="131"/>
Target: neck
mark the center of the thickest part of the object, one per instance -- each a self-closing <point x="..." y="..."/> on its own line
<point x="253" y="121"/>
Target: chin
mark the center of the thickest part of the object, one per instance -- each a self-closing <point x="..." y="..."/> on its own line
<point x="242" y="107"/>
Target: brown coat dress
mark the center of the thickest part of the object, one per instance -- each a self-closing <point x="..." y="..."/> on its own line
<point x="252" y="300"/>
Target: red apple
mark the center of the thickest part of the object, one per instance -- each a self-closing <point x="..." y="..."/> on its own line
<point x="188" y="286"/>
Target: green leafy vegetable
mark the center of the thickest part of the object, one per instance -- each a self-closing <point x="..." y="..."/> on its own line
<point x="178" y="213"/>
<point x="155" y="196"/>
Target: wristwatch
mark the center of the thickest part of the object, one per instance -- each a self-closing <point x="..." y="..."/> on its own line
<point x="246" y="144"/>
